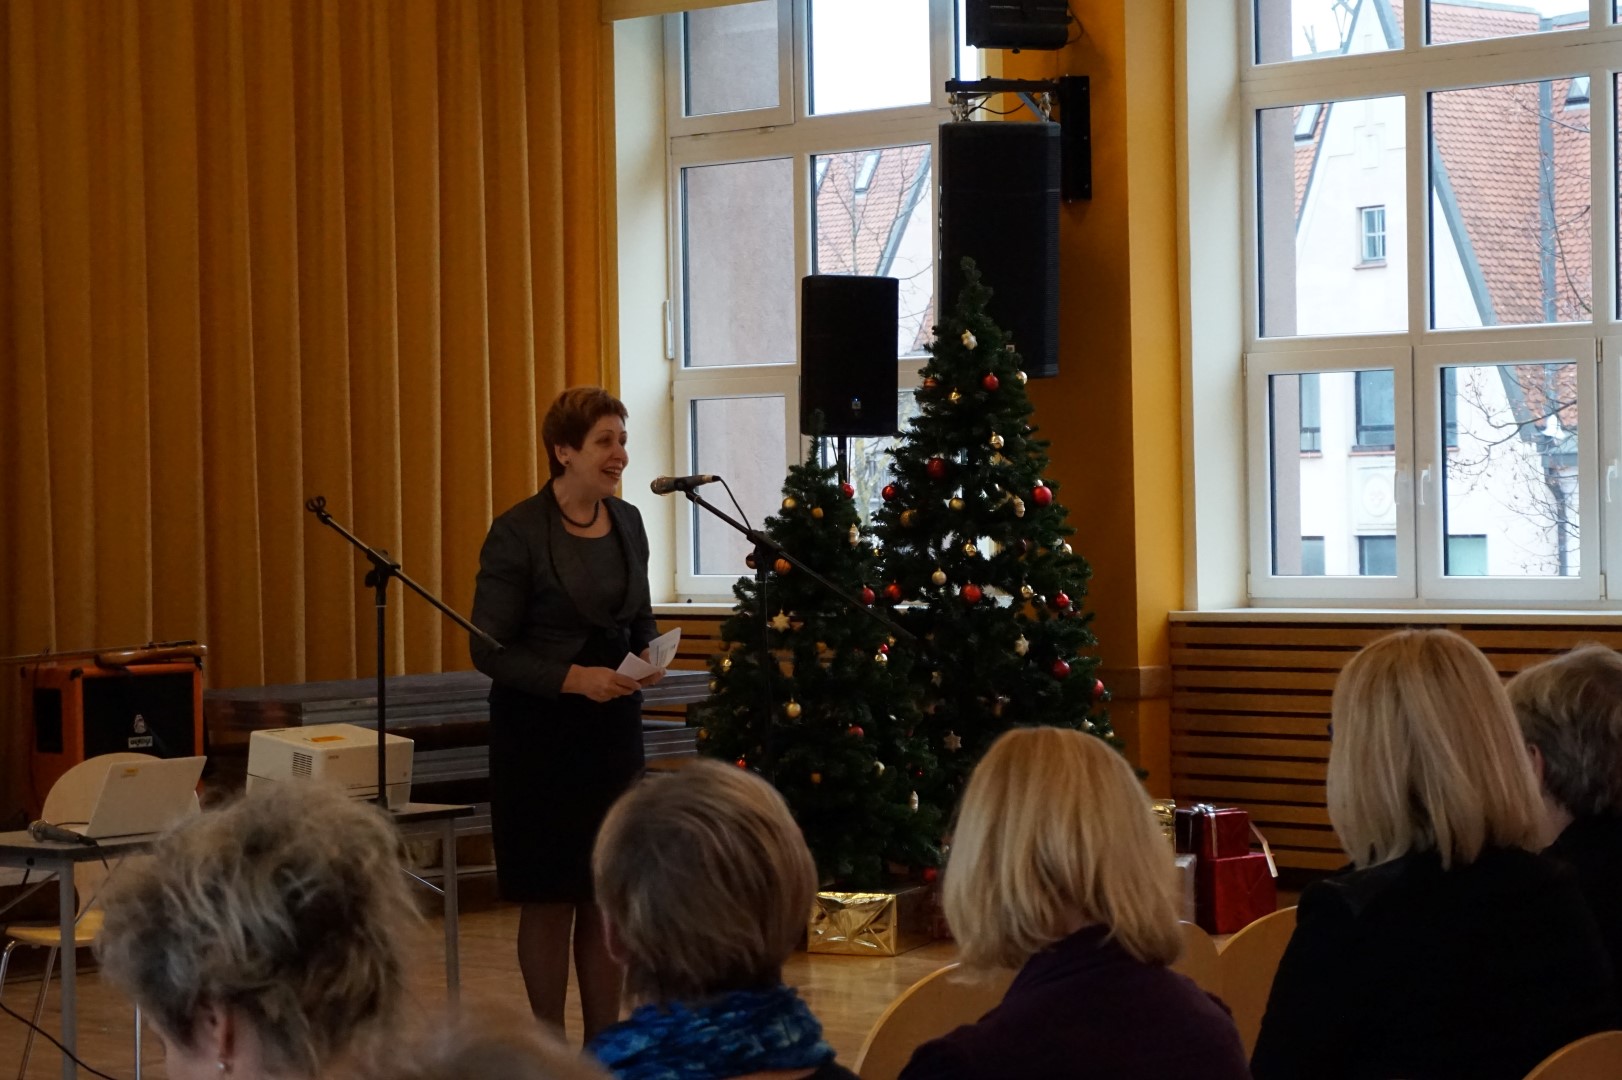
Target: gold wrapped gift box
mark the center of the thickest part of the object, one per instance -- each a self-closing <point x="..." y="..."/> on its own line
<point x="1166" y="817"/>
<point x="884" y="922"/>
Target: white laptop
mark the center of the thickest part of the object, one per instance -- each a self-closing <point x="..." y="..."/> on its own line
<point x="140" y="797"/>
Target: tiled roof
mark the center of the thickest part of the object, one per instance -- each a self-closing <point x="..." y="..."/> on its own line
<point x="856" y="231"/>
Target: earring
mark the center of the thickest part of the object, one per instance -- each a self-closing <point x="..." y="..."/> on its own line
<point x="224" y="1067"/>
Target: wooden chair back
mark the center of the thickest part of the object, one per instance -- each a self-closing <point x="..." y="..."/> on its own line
<point x="1247" y="963"/>
<point x="1200" y="960"/>
<point x="1598" y="1057"/>
<point x="928" y="1009"/>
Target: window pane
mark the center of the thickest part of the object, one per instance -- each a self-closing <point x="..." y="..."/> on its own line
<point x="1311" y="429"/>
<point x="1509" y="206"/>
<point x="1376" y="410"/>
<point x="1450" y="20"/>
<point x="1328" y="498"/>
<point x="872" y="460"/>
<point x="867" y="55"/>
<point x="731" y="58"/>
<point x="971" y="62"/>
<point x="1377" y="556"/>
<point x="872" y="215"/>
<point x="1301" y="29"/>
<point x="741" y="439"/>
<point x="1315" y="194"/>
<point x="1466" y="556"/>
<point x="738" y="262"/>
<point x="1512" y="478"/>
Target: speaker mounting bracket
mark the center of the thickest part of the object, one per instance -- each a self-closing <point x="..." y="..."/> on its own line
<point x="1074" y="93"/>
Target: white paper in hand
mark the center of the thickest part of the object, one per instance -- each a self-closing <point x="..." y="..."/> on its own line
<point x="661" y="651"/>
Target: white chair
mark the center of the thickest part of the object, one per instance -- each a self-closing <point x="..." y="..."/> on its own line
<point x="70" y="801"/>
<point x="1598" y="1057"/>
<point x="929" y="1008"/>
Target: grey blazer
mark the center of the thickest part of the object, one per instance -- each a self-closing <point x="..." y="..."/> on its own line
<point x="529" y="595"/>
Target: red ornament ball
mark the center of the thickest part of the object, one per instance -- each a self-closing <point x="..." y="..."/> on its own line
<point x="888" y="492"/>
<point x="990" y="382"/>
<point x="883" y="648"/>
<point x="1098" y="689"/>
<point x="931" y="382"/>
<point x="1061" y="601"/>
<point x="937" y="468"/>
<point x="892" y="593"/>
<point x="971" y="593"/>
<point x="1061" y="669"/>
<point x="847" y="490"/>
<point x="868" y="596"/>
<point x="782" y="566"/>
<point x="855" y="731"/>
<point x="749" y="560"/>
<point x="1041" y="495"/>
<point x="931" y="875"/>
<point x="741" y="763"/>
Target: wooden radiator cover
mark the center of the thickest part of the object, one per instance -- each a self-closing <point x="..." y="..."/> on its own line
<point x="1250" y="711"/>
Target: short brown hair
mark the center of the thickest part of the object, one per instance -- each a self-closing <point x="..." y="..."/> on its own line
<point x="1570" y="708"/>
<point x="1426" y="754"/>
<point x="288" y="906"/>
<point x="706" y="880"/>
<point x="1055" y="828"/>
<point x="572" y="416"/>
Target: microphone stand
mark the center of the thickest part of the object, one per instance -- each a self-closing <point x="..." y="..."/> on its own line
<point x="378" y="577"/>
<point x="768" y="551"/>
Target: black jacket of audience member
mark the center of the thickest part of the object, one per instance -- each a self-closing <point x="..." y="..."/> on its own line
<point x="1592" y="847"/>
<point x="1086" y="1009"/>
<point x="1404" y="969"/>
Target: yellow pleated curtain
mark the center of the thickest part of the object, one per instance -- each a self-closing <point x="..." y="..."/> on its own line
<point x="257" y="250"/>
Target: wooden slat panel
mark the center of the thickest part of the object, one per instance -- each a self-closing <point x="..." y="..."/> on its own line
<point x="1253" y="679"/>
<point x="1309" y="860"/>
<point x="1250" y="768"/>
<point x="1224" y="792"/>
<point x="1198" y="745"/>
<point x="1299" y="704"/>
<point x="1276" y="634"/>
<point x="1295" y="659"/>
<point x="1559" y="638"/>
<point x="1287" y="837"/>
<point x="1242" y="723"/>
<point x="1266" y="814"/>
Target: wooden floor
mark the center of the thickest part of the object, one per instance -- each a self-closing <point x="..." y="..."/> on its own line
<point x="848" y="993"/>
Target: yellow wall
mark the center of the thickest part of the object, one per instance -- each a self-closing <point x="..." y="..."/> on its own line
<point x="1113" y="411"/>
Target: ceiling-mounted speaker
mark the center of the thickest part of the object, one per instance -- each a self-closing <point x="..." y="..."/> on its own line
<point x="848" y="357"/>
<point x="999" y="188"/>
<point x="1016" y="24"/>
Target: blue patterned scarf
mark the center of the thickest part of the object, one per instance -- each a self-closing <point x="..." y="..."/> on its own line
<point x="741" y="1032"/>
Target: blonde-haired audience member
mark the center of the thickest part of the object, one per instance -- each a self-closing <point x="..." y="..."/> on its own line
<point x="1448" y="949"/>
<point x="264" y="939"/>
<point x="1057" y="869"/>
<point x="489" y="1049"/>
<point x="705" y="882"/>
<point x="1570" y="709"/>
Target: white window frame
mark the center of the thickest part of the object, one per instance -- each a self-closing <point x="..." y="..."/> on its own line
<point x="1414" y="71"/>
<point x="791" y="132"/>
<point x="1365" y="234"/>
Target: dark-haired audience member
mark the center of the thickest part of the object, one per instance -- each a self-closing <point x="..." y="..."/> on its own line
<point x="1449" y="949"/>
<point x="259" y="946"/>
<point x="705" y="883"/>
<point x="1058" y="870"/>
<point x="1570" y="709"/>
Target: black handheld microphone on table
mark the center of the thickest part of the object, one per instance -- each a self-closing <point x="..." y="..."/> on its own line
<point x="664" y="485"/>
<point x="43" y="831"/>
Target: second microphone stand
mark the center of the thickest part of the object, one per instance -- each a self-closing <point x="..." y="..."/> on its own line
<point x="767" y="552"/>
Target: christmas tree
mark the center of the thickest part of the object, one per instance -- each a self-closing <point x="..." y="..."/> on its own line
<point x="829" y="719"/>
<point x="975" y="551"/>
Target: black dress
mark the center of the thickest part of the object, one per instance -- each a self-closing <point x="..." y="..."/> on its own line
<point x="557" y="760"/>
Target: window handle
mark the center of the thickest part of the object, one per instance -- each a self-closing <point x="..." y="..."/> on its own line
<point x="1424" y="483"/>
<point x="1610" y="480"/>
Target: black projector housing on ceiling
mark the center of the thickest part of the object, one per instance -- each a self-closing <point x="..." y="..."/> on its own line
<point x="1017" y="24"/>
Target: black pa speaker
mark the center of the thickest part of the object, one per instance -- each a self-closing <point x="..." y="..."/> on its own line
<point x="1000" y="207"/>
<point x="1016" y="24"/>
<point x="848" y="353"/>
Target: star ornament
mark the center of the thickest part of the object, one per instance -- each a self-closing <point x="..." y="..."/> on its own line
<point x="779" y="621"/>
<point x="953" y="741"/>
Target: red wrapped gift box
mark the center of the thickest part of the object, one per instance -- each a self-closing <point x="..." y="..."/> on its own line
<point x="1233" y="893"/>
<point x="1212" y="833"/>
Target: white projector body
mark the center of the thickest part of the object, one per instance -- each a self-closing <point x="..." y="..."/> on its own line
<point x="341" y="754"/>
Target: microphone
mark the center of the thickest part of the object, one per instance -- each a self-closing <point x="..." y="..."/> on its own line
<point x="41" y="831"/>
<point x="664" y="485"/>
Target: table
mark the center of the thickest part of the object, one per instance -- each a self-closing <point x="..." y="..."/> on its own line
<point x="19" y="850"/>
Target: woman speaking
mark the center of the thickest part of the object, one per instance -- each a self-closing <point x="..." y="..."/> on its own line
<point x="563" y="585"/>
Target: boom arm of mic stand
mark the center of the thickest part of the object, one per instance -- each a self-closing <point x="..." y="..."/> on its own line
<point x="761" y="540"/>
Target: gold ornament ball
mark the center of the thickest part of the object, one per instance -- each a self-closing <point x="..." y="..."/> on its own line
<point x="816" y="778"/>
<point x="1019" y="507"/>
<point x="1021" y="647"/>
<point x="878" y="768"/>
<point x="703" y="735"/>
<point x="971" y="549"/>
<point x="726" y="664"/>
<point x="816" y="512"/>
<point x="908" y="517"/>
<point x="954" y="397"/>
<point x="912" y="802"/>
<point x="855" y="536"/>
<point x="955" y="504"/>
<point x="938" y="577"/>
<point x="935" y="678"/>
<point x="1026" y="592"/>
<point x="1021" y="376"/>
<point x="792" y="710"/>
<point x="1066" y="549"/>
<point x="996" y="441"/>
<point x="880" y="658"/>
<point x="790" y="503"/>
<point x="715" y="685"/>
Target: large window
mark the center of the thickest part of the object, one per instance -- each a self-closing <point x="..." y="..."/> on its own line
<point x="802" y="140"/>
<point x="1465" y="407"/>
